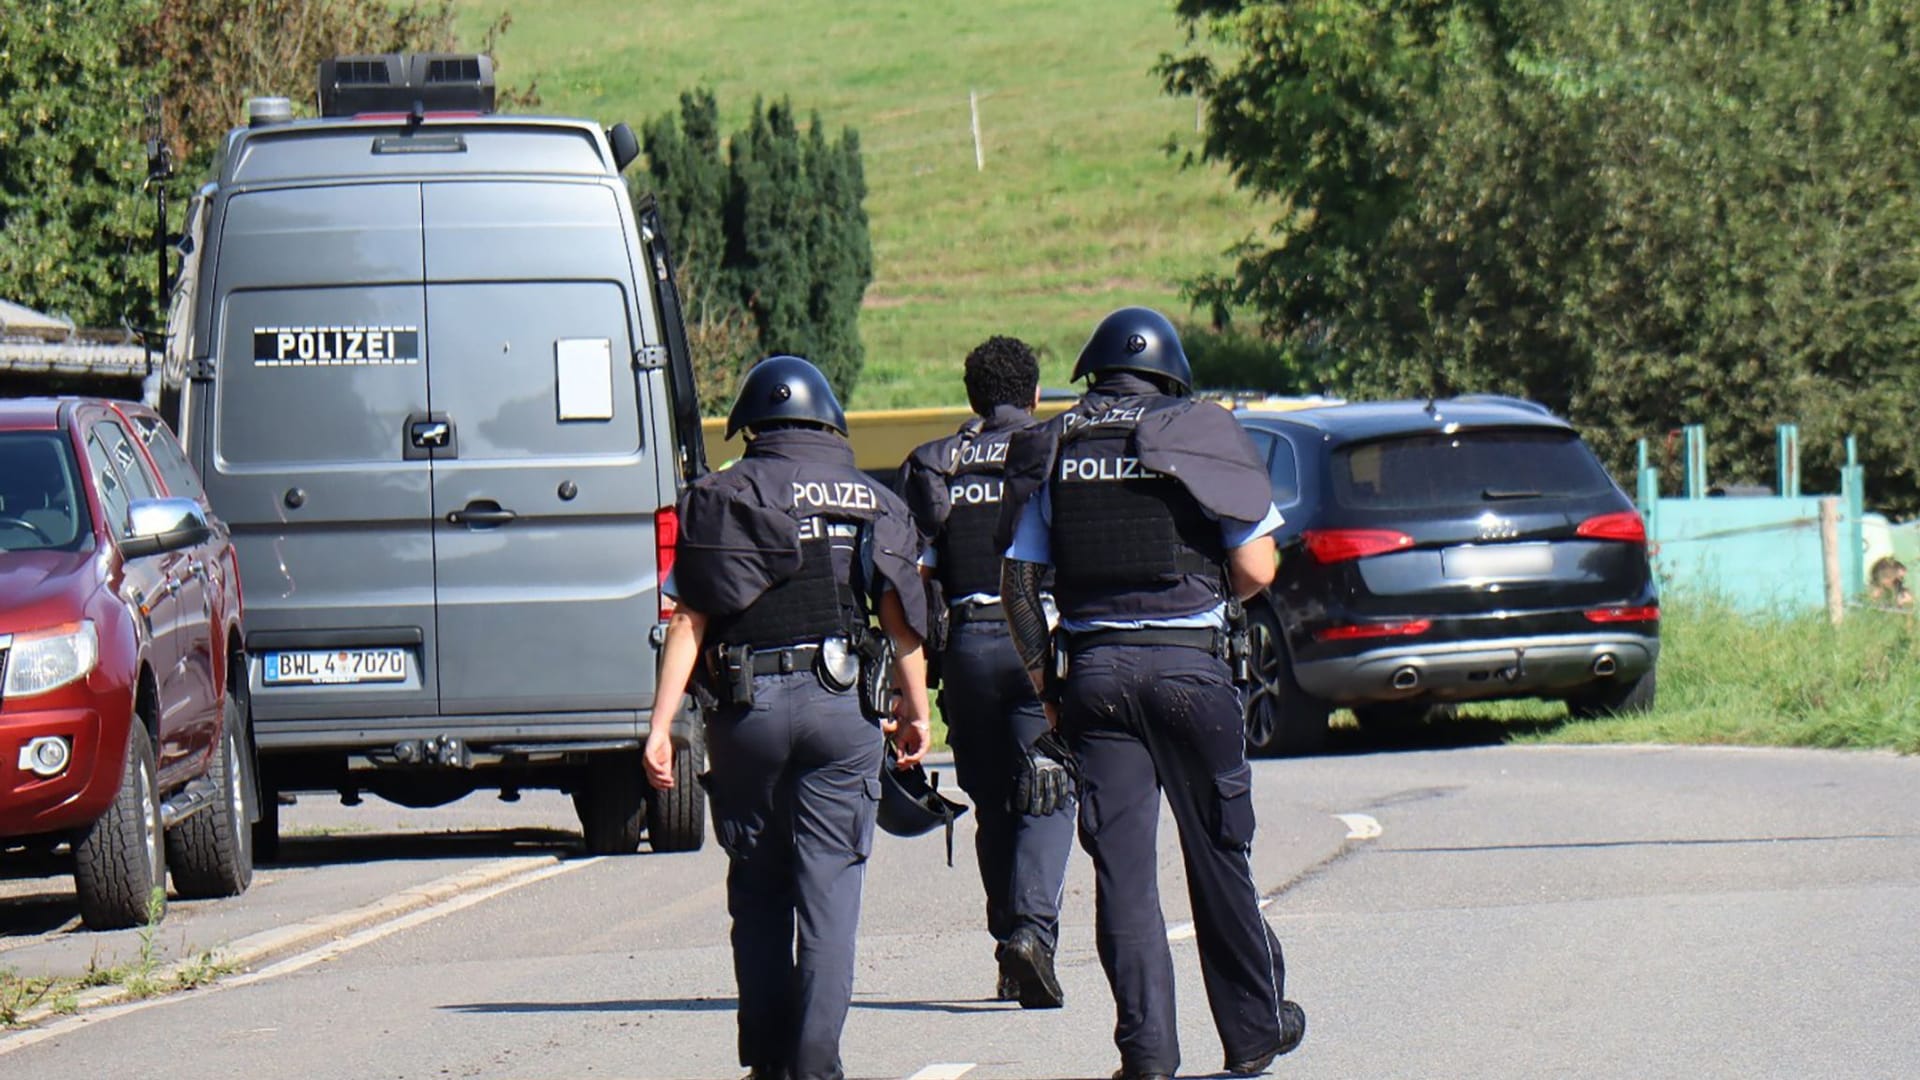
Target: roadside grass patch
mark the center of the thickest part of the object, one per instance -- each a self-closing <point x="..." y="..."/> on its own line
<point x="25" y="997"/>
<point x="1728" y="678"/>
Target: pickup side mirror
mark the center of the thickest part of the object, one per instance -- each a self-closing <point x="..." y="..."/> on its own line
<point x="157" y="525"/>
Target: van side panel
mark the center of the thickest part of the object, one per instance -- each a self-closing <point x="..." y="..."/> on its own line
<point x="530" y="357"/>
<point x="316" y="382"/>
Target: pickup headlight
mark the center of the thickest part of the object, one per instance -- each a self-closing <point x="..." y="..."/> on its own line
<point x="50" y="659"/>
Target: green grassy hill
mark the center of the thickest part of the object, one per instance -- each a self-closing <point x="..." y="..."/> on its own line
<point x="1077" y="211"/>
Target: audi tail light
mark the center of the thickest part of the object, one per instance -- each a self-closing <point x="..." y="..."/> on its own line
<point x="1356" y="631"/>
<point x="1339" y="545"/>
<point x="1624" y="613"/>
<point x="1624" y="525"/>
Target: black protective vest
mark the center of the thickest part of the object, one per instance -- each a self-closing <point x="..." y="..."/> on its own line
<point x="785" y="546"/>
<point x="1128" y="543"/>
<point x="969" y="562"/>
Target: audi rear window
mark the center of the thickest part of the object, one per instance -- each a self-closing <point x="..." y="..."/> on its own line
<point x="1467" y="469"/>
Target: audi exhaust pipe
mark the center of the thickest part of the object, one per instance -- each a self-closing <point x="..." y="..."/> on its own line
<point x="1406" y="678"/>
<point x="1604" y="665"/>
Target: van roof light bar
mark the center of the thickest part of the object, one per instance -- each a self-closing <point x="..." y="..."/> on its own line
<point x="407" y="84"/>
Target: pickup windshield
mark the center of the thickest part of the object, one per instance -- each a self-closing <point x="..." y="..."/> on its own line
<point x="41" y="505"/>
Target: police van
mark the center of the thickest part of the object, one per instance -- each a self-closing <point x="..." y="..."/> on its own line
<point x="430" y="362"/>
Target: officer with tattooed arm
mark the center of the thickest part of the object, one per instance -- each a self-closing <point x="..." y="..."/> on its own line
<point x="1023" y="800"/>
<point x="784" y="562"/>
<point x="1154" y="512"/>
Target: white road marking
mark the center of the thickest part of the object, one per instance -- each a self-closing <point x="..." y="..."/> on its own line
<point x="1360" y="826"/>
<point x="294" y="963"/>
<point x="943" y="1071"/>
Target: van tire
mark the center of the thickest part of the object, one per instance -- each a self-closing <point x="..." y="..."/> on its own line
<point x="121" y="858"/>
<point x="266" y="826"/>
<point x="677" y="819"/>
<point x="613" y="803"/>
<point x="211" y="853"/>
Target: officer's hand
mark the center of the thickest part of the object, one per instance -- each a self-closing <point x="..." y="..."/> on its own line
<point x="659" y="758"/>
<point x="1041" y="786"/>
<point x="912" y="739"/>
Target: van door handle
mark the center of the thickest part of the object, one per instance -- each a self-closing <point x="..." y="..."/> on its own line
<point x="481" y="512"/>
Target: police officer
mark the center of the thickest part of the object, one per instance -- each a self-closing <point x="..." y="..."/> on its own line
<point x="953" y="487"/>
<point x="1154" y="513"/>
<point x="783" y="560"/>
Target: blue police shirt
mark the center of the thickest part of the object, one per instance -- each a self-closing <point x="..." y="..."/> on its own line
<point x="1033" y="542"/>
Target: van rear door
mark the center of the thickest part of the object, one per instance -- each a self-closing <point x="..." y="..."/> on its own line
<point x="544" y="496"/>
<point x="319" y="385"/>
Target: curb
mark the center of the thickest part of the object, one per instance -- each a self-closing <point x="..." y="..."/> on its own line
<point x="266" y="944"/>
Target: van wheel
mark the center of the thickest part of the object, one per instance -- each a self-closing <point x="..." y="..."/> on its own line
<point x="1281" y="718"/>
<point x="266" y="825"/>
<point x="1615" y="699"/>
<point x="677" y="819"/>
<point x="613" y="803"/>
<point x="121" y="861"/>
<point x="211" y="853"/>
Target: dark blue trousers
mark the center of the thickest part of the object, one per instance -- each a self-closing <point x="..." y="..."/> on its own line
<point x="1141" y="720"/>
<point x="794" y="792"/>
<point x="992" y="720"/>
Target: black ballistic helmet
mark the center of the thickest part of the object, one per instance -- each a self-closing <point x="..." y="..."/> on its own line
<point x="785" y="388"/>
<point x="1136" y="339"/>
<point x="911" y="803"/>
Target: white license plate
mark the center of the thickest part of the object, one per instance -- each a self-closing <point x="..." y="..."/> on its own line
<point x="333" y="666"/>
<point x="1498" y="561"/>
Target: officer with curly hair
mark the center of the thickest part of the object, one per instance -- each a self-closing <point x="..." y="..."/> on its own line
<point x="1023" y="801"/>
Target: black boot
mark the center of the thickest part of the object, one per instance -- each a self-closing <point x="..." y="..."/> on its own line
<point x="1293" y="1028"/>
<point x="1029" y="962"/>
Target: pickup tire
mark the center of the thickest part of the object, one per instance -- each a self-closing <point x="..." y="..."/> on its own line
<point x="121" y="859"/>
<point x="612" y="803"/>
<point x="211" y="853"/>
<point x="677" y="819"/>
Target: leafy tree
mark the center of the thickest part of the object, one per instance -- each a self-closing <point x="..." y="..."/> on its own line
<point x="1643" y="213"/>
<point x="71" y="87"/>
<point x="771" y="238"/>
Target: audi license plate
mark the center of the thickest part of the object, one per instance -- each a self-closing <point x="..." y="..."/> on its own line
<point x="1497" y="561"/>
<point x="330" y="666"/>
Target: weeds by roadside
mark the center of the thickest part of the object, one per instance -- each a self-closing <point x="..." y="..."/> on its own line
<point x="145" y="976"/>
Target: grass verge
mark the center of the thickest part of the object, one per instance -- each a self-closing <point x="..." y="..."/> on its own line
<point x="23" y="997"/>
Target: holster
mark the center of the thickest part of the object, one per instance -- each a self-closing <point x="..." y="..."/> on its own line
<point x="729" y="674"/>
<point x="876" y="674"/>
<point x="1053" y="672"/>
<point x="1239" y="656"/>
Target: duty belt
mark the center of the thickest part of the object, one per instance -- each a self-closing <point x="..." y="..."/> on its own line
<point x="784" y="660"/>
<point x="966" y="613"/>
<point x="1197" y="637"/>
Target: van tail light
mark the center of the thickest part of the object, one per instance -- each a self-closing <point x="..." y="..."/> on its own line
<point x="1339" y="545"/>
<point x="1624" y="614"/>
<point x="1357" y="631"/>
<point x="666" y="545"/>
<point x="1624" y="525"/>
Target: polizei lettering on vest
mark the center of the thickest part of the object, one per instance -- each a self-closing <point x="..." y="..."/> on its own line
<point x="1111" y="416"/>
<point x="976" y="492"/>
<point x="1104" y="468"/>
<point x="835" y="495"/>
<point x="994" y="453"/>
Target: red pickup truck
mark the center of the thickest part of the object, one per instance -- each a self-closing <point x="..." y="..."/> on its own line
<point x="123" y="718"/>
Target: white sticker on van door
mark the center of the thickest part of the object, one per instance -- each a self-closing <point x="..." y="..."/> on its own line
<point x="335" y="346"/>
<point x="583" y="378"/>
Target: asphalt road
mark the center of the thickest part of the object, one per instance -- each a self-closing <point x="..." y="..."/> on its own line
<point x="1522" y="912"/>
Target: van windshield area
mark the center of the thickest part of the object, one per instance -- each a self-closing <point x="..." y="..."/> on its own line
<point x="1466" y="470"/>
<point x="40" y="502"/>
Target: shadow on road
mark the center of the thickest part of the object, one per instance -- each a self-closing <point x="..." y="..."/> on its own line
<point x="634" y="1005"/>
<point x="359" y="847"/>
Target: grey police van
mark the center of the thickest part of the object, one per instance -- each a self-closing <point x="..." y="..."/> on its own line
<point x="430" y="362"/>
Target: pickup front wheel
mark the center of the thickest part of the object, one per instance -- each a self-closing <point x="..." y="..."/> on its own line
<point x="120" y="862"/>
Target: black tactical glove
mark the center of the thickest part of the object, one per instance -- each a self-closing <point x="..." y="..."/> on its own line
<point x="1042" y="786"/>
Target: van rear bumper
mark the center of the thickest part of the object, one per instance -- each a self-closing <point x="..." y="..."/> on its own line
<point x="504" y="732"/>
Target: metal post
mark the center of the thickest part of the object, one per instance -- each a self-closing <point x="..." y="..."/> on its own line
<point x="979" y="151"/>
<point x="1853" y="488"/>
<point x="1830" y="558"/>
<point x="1696" y="461"/>
<point x="1789" y="453"/>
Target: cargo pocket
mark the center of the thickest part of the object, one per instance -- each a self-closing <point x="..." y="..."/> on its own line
<point x="1233" y="794"/>
<point x="868" y="810"/>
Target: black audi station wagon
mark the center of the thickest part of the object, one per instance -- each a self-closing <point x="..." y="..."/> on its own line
<point x="1437" y="552"/>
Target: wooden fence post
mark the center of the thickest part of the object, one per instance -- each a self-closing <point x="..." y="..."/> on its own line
<point x="1830" y="557"/>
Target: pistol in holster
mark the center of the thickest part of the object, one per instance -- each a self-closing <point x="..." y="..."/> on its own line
<point x="876" y="674"/>
<point x="1239" y="656"/>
